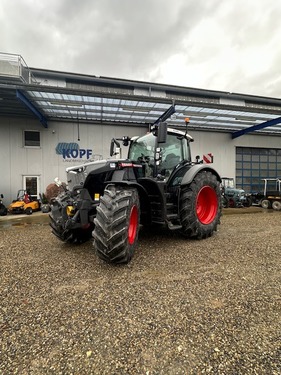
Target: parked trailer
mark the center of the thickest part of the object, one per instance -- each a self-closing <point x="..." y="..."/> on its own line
<point x="271" y="194"/>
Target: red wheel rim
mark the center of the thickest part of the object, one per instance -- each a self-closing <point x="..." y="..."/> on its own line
<point x="206" y="205"/>
<point x="133" y="225"/>
<point x="231" y="203"/>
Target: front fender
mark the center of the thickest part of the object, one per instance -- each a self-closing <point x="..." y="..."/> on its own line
<point x="196" y="168"/>
<point x="143" y="196"/>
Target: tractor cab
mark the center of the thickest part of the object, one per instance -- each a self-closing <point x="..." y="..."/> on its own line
<point x="160" y="155"/>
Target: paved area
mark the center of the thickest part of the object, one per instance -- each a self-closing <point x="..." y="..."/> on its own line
<point x="180" y="306"/>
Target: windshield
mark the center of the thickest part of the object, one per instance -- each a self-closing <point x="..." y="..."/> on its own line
<point x="228" y="183"/>
<point x="173" y="151"/>
<point x="143" y="147"/>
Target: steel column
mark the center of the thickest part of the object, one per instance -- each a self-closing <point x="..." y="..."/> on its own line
<point x="31" y="107"/>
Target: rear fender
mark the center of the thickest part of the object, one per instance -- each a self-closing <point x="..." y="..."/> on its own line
<point x="194" y="170"/>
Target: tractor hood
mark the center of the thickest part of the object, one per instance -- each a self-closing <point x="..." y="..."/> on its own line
<point x="230" y="192"/>
<point x="77" y="175"/>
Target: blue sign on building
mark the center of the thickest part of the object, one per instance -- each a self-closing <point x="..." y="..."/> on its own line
<point x="73" y="151"/>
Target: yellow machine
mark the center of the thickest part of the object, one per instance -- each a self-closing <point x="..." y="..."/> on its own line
<point x="24" y="204"/>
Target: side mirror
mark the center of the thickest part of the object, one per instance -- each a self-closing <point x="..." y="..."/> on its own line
<point x="111" y="151"/>
<point x="126" y="140"/>
<point x="162" y="132"/>
<point x="114" y="142"/>
<point x="1" y="196"/>
<point x="197" y="157"/>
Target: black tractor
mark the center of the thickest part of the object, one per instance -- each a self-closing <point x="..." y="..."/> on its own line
<point x="157" y="184"/>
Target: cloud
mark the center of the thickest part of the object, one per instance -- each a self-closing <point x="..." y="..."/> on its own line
<point x="222" y="45"/>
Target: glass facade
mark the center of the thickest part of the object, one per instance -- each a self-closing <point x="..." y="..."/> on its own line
<point x="254" y="164"/>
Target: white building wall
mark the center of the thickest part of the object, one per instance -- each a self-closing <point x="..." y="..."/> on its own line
<point x="17" y="160"/>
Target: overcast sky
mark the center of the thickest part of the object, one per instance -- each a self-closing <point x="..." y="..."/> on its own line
<point x="229" y="45"/>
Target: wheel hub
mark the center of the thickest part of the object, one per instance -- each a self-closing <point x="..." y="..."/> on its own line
<point x="133" y="225"/>
<point x="206" y="205"/>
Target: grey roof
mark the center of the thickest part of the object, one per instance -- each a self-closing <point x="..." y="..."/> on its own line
<point x="53" y="95"/>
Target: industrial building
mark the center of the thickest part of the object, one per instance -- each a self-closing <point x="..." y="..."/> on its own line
<point x="50" y="120"/>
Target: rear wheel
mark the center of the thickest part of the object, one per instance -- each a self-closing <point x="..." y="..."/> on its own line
<point x="117" y="224"/>
<point x="231" y="203"/>
<point x="265" y="203"/>
<point x="200" y="206"/>
<point x="276" y="205"/>
<point x="248" y="202"/>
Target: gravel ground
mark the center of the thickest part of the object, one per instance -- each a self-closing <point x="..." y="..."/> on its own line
<point x="180" y="306"/>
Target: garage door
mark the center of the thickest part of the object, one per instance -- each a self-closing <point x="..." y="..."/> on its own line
<point x="254" y="164"/>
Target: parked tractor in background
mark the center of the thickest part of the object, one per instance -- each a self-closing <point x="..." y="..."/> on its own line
<point x="233" y="197"/>
<point x="157" y="184"/>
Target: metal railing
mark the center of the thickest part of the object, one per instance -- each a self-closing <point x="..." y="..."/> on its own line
<point x="14" y="67"/>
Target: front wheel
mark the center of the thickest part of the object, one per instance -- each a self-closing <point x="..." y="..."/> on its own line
<point x="3" y="210"/>
<point x="200" y="206"/>
<point x="248" y="202"/>
<point x="117" y="224"/>
<point x="28" y="211"/>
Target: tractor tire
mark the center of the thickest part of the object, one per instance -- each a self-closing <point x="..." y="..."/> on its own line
<point x="248" y="202"/>
<point x="224" y="202"/>
<point x="276" y="205"/>
<point x="117" y="224"/>
<point x="200" y="206"/>
<point x="265" y="203"/>
<point x="72" y="236"/>
<point x="3" y="211"/>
